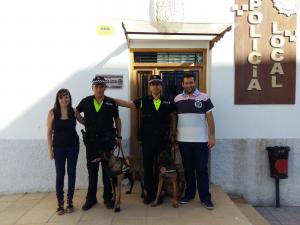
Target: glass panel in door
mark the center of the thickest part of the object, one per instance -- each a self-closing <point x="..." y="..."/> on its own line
<point x="172" y="80"/>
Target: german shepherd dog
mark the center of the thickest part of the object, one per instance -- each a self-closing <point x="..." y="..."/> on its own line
<point x="119" y="168"/>
<point x="171" y="174"/>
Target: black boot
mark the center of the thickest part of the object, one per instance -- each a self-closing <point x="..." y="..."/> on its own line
<point x="109" y="203"/>
<point x="89" y="204"/>
<point x="148" y="199"/>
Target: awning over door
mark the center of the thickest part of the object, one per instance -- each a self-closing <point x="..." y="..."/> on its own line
<point x="146" y="30"/>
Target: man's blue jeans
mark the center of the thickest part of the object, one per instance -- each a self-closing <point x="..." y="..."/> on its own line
<point x="195" y="159"/>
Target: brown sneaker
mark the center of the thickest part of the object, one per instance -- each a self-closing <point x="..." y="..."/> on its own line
<point x="70" y="207"/>
<point x="60" y="210"/>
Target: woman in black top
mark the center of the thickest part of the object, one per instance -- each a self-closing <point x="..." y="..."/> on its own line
<point x="63" y="145"/>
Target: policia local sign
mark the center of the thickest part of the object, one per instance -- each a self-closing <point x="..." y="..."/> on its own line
<point x="265" y="51"/>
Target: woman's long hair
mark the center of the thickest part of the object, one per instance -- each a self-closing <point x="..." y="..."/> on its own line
<point x="56" y="109"/>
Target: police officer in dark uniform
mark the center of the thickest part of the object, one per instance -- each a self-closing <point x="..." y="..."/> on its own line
<point x="100" y="115"/>
<point x="157" y="126"/>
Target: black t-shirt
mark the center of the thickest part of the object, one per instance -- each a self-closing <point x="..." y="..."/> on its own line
<point x="155" y="122"/>
<point x="64" y="132"/>
<point x="102" y="121"/>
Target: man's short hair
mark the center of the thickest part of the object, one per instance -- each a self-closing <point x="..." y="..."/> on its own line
<point x="188" y="75"/>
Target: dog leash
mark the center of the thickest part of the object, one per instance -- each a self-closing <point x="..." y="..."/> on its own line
<point x="120" y="149"/>
<point x="127" y="165"/>
<point x="174" y="151"/>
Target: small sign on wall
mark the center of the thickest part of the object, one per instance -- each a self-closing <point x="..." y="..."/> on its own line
<point x="104" y="29"/>
<point x="265" y="52"/>
<point x="113" y="81"/>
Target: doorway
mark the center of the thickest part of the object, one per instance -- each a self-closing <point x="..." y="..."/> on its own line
<point x="171" y="70"/>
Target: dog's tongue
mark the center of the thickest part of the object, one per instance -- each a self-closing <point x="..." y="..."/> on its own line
<point x="163" y="169"/>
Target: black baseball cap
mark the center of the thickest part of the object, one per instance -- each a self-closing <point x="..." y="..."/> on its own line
<point x="98" y="80"/>
<point x="155" y="78"/>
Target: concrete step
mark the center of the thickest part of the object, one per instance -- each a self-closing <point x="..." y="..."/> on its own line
<point x="249" y="211"/>
<point x="226" y="211"/>
<point x="39" y="208"/>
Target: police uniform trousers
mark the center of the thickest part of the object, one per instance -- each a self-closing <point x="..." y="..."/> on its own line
<point x="93" y="169"/>
<point x="151" y="146"/>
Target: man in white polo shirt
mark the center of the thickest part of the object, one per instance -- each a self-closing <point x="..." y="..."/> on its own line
<point x="195" y="136"/>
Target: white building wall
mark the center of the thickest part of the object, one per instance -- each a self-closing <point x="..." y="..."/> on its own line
<point x="49" y="45"/>
<point x="239" y="160"/>
<point x="46" y="46"/>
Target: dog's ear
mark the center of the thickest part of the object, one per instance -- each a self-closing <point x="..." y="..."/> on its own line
<point x="165" y="154"/>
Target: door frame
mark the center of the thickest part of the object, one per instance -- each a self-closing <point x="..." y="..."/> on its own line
<point x="155" y="68"/>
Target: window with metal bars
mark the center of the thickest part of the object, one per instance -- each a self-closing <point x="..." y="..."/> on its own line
<point x="171" y="57"/>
